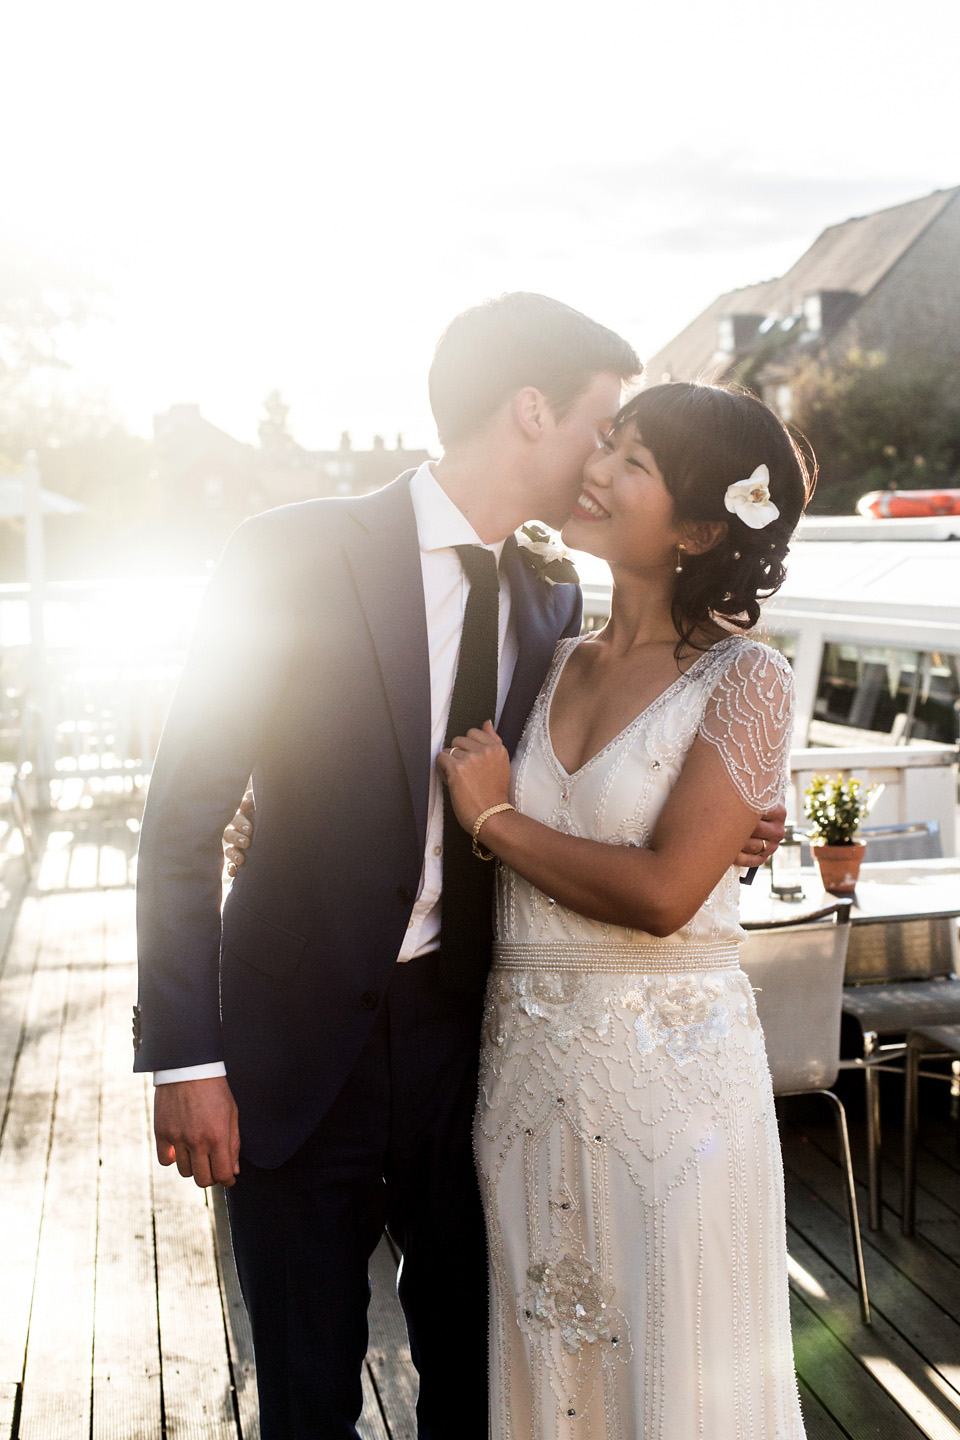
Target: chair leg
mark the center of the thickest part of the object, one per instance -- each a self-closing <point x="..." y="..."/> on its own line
<point x="840" y="1116"/>
<point x="872" y="1080"/>
<point x="909" y="1199"/>
<point x="21" y="812"/>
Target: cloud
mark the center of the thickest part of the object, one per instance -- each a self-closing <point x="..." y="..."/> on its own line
<point x="685" y="202"/>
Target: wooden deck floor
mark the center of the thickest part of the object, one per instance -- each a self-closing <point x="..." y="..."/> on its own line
<point x="120" y="1315"/>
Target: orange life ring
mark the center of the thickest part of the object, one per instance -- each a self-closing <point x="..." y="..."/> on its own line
<point x="901" y="504"/>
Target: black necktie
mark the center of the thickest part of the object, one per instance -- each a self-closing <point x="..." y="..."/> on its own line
<point x="467" y="895"/>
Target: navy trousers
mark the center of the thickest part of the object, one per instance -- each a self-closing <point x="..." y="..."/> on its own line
<point x="395" y="1151"/>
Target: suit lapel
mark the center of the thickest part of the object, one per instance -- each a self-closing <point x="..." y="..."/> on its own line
<point x="533" y="605"/>
<point x="384" y="556"/>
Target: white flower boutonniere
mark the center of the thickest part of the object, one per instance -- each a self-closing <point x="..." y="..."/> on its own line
<point x="545" y="556"/>
<point x="750" y="499"/>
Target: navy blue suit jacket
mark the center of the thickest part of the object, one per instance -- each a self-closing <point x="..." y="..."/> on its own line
<point x="310" y="671"/>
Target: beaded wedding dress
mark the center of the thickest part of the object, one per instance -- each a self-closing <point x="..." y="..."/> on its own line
<point x="626" y="1137"/>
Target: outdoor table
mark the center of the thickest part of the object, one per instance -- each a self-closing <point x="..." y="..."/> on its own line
<point x="888" y="892"/>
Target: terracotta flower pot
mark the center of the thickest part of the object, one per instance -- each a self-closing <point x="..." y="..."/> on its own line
<point x="840" y="865"/>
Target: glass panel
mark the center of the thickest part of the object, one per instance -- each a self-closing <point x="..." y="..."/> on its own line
<point x="889" y="693"/>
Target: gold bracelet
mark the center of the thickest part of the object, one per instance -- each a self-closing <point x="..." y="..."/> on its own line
<point x="478" y="849"/>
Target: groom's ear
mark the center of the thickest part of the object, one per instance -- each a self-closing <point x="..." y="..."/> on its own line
<point x="531" y="412"/>
<point x="704" y="535"/>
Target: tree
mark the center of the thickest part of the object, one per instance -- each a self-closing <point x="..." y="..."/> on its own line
<point x="876" y="425"/>
<point x="40" y="299"/>
<point x="83" y="449"/>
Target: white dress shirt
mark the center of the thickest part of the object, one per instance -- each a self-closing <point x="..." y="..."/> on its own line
<point x="440" y="527"/>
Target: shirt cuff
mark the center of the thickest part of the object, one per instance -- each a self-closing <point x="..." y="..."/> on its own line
<point x="190" y="1072"/>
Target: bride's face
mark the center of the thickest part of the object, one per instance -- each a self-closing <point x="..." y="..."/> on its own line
<point x="625" y="512"/>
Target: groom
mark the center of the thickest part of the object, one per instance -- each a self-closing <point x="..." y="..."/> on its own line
<point x="334" y="1007"/>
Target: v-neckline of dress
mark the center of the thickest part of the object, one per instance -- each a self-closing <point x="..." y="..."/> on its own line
<point x="567" y="776"/>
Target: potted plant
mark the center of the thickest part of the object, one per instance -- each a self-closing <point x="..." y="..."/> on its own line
<point x="835" y="808"/>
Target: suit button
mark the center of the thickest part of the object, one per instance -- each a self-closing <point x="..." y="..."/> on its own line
<point x="404" y="895"/>
<point x="368" y="1000"/>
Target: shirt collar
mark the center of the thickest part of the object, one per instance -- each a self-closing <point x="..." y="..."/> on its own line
<point x="440" y="525"/>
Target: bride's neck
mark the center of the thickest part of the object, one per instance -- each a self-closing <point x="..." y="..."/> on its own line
<point x="640" y="611"/>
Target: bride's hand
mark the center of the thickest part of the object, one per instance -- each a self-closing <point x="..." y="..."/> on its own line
<point x="765" y="839"/>
<point x="238" y="835"/>
<point x="476" y="768"/>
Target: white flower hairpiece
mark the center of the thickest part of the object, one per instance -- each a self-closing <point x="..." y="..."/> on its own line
<point x="750" y="499"/>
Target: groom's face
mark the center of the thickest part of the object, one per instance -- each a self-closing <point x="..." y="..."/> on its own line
<point x="572" y="442"/>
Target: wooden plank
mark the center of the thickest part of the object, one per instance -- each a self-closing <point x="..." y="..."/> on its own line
<point x="388" y="1353"/>
<point x="197" y="1383"/>
<point x="893" y="1295"/>
<point x="56" y="1385"/>
<point x="858" y="1405"/>
<point x="84" y="864"/>
<point x="20" y="963"/>
<point x="938" y="1198"/>
<point x="55" y="860"/>
<point x="14" y="882"/>
<point x="26" y="1135"/>
<point x="371" y="1425"/>
<point x="895" y="1365"/>
<point x="915" y="1259"/>
<point x="818" y="1422"/>
<point x="937" y="1213"/>
<point x="239" y="1336"/>
<point x="114" y="867"/>
<point x="9" y="1394"/>
<point x="941" y="1138"/>
<point x="126" y="1352"/>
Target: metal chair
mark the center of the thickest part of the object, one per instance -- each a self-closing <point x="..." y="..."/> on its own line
<point x="797" y="972"/>
<point x="15" y="803"/>
<point x="899" y="976"/>
<point x="932" y="1042"/>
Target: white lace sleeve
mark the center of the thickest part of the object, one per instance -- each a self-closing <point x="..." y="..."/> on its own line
<point x="749" y="718"/>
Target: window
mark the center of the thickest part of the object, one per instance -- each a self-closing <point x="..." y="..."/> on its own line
<point x="889" y="695"/>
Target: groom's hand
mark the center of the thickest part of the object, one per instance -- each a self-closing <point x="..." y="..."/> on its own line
<point x="765" y="839"/>
<point x="195" y="1123"/>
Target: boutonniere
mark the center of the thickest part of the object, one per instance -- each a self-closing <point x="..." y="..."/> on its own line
<point x="545" y="556"/>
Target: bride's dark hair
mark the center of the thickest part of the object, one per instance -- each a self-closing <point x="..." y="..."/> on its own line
<point x="704" y="438"/>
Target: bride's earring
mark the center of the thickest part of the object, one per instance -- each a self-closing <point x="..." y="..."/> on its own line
<point x="679" y="565"/>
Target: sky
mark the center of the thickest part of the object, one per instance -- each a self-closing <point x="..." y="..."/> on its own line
<point x="299" y="196"/>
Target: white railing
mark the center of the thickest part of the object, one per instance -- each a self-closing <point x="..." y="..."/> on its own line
<point x="113" y="655"/>
<point x="89" y="700"/>
<point x="918" y="784"/>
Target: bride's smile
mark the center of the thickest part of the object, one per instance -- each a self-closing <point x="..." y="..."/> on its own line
<point x="587" y="508"/>
<point x="625" y="513"/>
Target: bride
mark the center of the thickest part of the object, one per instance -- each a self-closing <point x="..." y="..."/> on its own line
<point x="626" y="1136"/>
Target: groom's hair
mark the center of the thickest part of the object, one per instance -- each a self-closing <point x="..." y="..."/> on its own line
<point x="495" y="349"/>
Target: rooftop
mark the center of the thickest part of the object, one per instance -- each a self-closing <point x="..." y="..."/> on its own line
<point x="851" y="257"/>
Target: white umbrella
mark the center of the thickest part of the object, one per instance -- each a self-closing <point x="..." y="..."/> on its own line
<point x="14" y="499"/>
<point x="22" y="497"/>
